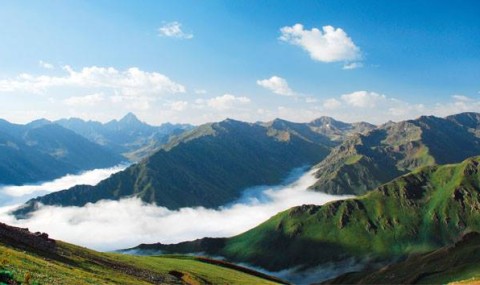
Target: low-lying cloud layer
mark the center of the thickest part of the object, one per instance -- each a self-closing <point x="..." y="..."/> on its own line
<point x="18" y="194"/>
<point x="109" y="225"/>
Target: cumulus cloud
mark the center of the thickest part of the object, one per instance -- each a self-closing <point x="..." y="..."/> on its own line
<point x="368" y="106"/>
<point x="131" y="89"/>
<point x="331" y="104"/>
<point x="88" y="100"/>
<point x="327" y="45"/>
<point x="109" y="225"/>
<point x="177" y="105"/>
<point x="173" y="30"/>
<point x="226" y="101"/>
<point x="459" y="103"/>
<point x="277" y="85"/>
<point x="130" y="82"/>
<point x="363" y="99"/>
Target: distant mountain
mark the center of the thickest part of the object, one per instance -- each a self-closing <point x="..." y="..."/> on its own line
<point x="34" y="258"/>
<point x="469" y="120"/>
<point x="208" y="166"/>
<point x="459" y="262"/>
<point x="128" y="137"/>
<point x="325" y="129"/>
<point x="337" y="130"/>
<point x="42" y="151"/>
<point x="416" y="213"/>
<point x="365" y="161"/>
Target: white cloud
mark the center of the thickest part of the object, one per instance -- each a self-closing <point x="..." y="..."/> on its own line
<point x="135" y="89"/>
<point x="378" y="108"/>
<point x="20" y="194"/>
<point x="227" y="101"/>
<point x="88" y="100"/>
<point x="459" y="104"/>
<point x="45" y="65"/>
<point x="130" y="82"/>
<point x="331" y="104"/>
<point x="178" y="105"/>
<point x="109" y="225"/>
<point x="352" y="65"/>
<point x="370" y="106"/>
<point x="327" y="45"/>
<point x="462" y="98"/>
<point x="363" y="99"/>
<point x="277" y="85"/>
<point x="174" y="30"/>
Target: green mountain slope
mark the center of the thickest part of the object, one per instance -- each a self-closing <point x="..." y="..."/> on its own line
<point x="128" y="136"/>
<point x="208" y="166"/>
<point x="27" y="258"/>
<point x="415" y="213"/>
<point x="42" y="151"/>
<point x="453" y="263"/>
<point x="365" y="161"/>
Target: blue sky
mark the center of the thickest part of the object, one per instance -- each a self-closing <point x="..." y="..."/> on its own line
<point x="192" y="61"/>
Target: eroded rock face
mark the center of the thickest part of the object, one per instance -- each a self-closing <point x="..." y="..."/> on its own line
<point x="23" y="237"/>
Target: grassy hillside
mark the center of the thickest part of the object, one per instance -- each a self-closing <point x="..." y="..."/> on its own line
<point x="415" y="213"/>
<point x="459" y="263"/>
<point x="365" y="161"/>
<point x="208" y="166"/>
<point x="39" y="260"/>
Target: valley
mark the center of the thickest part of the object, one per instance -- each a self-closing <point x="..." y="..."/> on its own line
<point x="110" y="225"/>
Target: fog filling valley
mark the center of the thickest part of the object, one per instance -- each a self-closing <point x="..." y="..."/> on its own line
<point x="109" y="225"/>
<point x="12" y="195"/>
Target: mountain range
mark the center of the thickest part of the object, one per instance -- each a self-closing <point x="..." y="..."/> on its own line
<point x="208" y="166"/>
<point x="417" y="187"/>
<point x="128" y="136"/>
<point x="41" y="151"/>
<point x="365" y="161"/>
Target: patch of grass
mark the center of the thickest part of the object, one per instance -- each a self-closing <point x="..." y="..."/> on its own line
<point x="353" y="159"/>
<point x="75" y="265"/>
<point x="459" y="262"/>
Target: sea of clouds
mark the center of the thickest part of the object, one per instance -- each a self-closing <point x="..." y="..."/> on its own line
<point x="109" y="225"/>
<point x="12" y="195"/>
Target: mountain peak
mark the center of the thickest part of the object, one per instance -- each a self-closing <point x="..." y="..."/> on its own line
<point x="230" y="122"/>
<point x="329" y="122"/>
<point x="39" y="123"/>
<point x="129" y="118"/>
